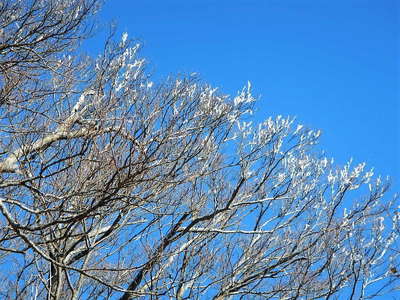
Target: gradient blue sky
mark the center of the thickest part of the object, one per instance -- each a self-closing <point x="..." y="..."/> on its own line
<point x="333" y="64"/>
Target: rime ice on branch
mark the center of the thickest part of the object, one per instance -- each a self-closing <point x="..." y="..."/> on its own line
<point x="113" y="186"/>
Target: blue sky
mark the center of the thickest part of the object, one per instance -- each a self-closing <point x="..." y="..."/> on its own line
<point x="333" y="64"/>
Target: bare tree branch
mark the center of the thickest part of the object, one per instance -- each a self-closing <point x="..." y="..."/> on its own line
<point x="115" y="187"/>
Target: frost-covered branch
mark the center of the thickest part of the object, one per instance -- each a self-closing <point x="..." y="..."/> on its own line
<point x="115" y="186"/>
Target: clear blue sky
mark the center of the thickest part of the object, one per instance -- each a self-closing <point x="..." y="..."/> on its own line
<point x="333" y="64"/>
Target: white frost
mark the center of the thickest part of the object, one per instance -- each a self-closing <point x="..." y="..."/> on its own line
<point x="124" y="37"/>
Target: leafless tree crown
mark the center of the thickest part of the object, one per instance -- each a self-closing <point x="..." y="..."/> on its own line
<point x="115" y="187"/>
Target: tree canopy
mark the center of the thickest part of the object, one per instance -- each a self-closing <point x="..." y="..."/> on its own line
<point x="115" y="187"/>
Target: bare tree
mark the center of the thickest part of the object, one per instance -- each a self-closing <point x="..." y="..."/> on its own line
<point x="113" y="187"/>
